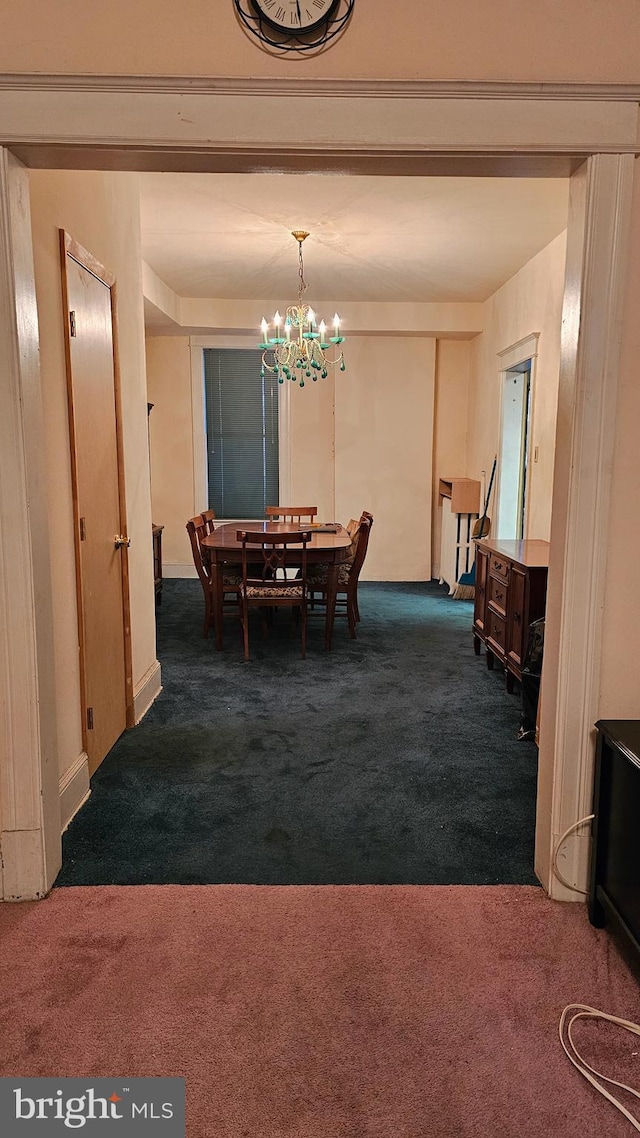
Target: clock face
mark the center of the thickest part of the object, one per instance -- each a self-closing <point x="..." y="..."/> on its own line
<point x="295" y="15"/>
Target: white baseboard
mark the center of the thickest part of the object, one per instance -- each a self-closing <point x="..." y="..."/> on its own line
<point x="74" y="789"/>
<point x="178" y="569"/>
<point x="147" y="691"/>
<point x="23" y="878"/>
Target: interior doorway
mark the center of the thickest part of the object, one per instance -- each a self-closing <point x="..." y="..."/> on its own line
<point x="515" y="435"/>
<point x="98" y="498"/>
<point x="598" y="234"/>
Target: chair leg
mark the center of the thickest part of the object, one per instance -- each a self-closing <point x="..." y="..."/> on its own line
<point x="351" y="617"/>
<point x="207" y="615"/>
<point x="303" y="609"/>
<point x="245" y="629"/>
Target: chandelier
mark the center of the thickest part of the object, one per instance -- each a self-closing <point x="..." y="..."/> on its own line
<point x="298" y="349"/>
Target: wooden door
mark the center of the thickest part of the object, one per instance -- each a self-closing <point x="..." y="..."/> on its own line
<point x="98" y="490"/>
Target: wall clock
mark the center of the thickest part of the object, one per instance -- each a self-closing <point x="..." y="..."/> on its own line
<point x="294" y="25"/>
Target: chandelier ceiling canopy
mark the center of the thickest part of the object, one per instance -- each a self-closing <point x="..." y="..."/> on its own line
<point x="298" y="350"/>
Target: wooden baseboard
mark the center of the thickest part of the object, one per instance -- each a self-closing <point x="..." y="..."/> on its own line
<point x="147" y="691"/>
<point x="74" y="789"/>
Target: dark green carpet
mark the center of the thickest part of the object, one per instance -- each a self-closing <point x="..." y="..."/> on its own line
<point x="392" y="759"/>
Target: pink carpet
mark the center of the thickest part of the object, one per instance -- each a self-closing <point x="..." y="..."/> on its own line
<point x="314" y="1012"/>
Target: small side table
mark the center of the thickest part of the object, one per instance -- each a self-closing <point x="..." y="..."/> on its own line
<point x="614" y="887"/>
<point x="157" y="562"/>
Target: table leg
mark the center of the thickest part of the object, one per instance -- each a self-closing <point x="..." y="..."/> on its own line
<point x="218" y="597"/>
<point x="332" y="589"/>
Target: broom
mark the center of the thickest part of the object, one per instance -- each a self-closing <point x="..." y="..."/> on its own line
<point x="465" y="590"/>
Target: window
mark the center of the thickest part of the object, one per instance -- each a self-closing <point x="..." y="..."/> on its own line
<point x="241" y="410"/>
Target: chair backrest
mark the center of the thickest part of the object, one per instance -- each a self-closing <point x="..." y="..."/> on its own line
<point x="273" y="547"/>
<point x="292" y="513"/>
<point x="197" y="529"/>
<point x="362" y="543"/>
<point x="352" y="527"/>
<point x="208" y="517"/>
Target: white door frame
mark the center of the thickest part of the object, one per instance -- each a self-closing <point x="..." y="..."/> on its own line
<point x="508" y="359"/>
<point x="189" y="124"/>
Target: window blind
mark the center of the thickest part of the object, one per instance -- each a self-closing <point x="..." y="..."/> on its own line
<point x="242" y="433"/>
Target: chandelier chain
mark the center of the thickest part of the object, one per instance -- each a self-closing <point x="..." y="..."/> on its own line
<point x="303" y="283"/>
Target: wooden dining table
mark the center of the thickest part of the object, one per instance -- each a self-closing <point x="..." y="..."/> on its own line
<point x="329" y="549"/>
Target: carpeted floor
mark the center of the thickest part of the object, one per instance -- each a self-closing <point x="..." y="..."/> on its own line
<point x="323" y="1012"/>
<point x="392" y="759"/>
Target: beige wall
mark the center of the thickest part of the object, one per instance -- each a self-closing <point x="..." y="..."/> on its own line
<point x="364" y="442"/>
<point x="171" y="433"/>
<point x="528" y="303"/>
<point x="101" y="212"/>
<point x="384" y="440"/>
<point x="453" y="366"/>
<point x="498" y="39"/>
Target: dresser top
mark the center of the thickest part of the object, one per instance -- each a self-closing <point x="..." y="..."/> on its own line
<point x="623" y="734"/>
<point x="532" y="553"/>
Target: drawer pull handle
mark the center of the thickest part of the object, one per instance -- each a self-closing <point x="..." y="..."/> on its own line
<point x="499" y="596"/>
<point x="517" y="618"/>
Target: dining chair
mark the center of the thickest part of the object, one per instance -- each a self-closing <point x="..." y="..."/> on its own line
<point x="196" y="528"/>
<point x="208" y="517"/>
<point x="348" y="577"/>
<point x="265" y="585"/>
<point x="292" y="513"/>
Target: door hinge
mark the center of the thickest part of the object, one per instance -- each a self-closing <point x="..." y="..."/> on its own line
<point x="83" y="529"/>
<point x="72" y="324"/>
<point x="89" y="719"/>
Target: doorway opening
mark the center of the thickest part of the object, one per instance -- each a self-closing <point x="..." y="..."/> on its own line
<point x="603" y="185"/>
<point x="515" y="436"/>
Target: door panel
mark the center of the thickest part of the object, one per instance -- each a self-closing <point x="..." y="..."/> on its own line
<point x="518" y="609"/>
<point x="94" y="442"/>
<point x="479" y="614"/>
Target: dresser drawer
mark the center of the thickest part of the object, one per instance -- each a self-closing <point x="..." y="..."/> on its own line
<point x="497" y="633"/>
<point x="498" y="593"/>
<point x="499" y="568"/>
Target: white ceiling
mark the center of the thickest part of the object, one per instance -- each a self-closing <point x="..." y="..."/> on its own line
<point x="383" y="238"/>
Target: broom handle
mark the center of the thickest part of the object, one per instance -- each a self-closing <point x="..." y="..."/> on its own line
<point x="493" y="471"/>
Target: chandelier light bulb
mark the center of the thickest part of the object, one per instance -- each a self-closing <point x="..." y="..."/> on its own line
<point x="323" y="331"/>
<point x="265" y="328"/>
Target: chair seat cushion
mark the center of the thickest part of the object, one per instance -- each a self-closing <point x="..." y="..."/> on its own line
<point x="231" y="580"/>
<point x="319" y="580"/>
<point x="278" y="590"/>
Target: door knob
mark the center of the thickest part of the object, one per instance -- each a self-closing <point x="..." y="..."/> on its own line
<point x="119" y="541"/>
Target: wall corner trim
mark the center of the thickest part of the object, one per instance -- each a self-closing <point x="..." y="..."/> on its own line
<point x="146" y="692"/>
<point x="74" y="789"/>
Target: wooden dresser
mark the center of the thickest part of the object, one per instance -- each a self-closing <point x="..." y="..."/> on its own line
<point x="511" y="592"/>
<point x="157" y="561"/>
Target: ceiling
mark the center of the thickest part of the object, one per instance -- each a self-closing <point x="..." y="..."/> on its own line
<point x="228" y="236"/>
